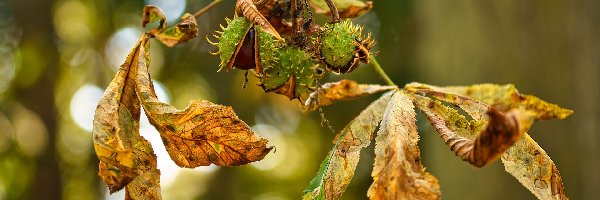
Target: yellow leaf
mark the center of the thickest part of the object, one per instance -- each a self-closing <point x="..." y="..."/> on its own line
<point x="337" y="169"/>
<point x="126" y="158"/>
<point x="499" y="134"/>
<point x="534" y="169"/>
<point x="525" y="160"/>
<point x="397" y="171"/>
<point x="505" y="96"/>
<point x="341" y="91"/>
<point x="201" y="134"/>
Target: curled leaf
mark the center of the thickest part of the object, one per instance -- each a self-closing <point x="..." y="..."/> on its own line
<point x="183" y="31"/>
<point x="247" y="9"/>
<point x="126" y="158"/>
<point x="337" y="169"/>
<point x="397" y="171"/>
<point x="342" y="90"/>
<point x="499" y="134"/>
<point x="153" y="14"/>
<point x="203" y="133"/>
<point x="346" y="8"/>
<point x="525" y="160"/>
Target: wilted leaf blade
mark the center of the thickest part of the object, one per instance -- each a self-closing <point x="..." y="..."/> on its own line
<point x="525" y="160"/>
<point x="506" y="96"/>
<point x="181" y="32"/>
<point x="534" y="169"/>
<point x="203" y="133"/>
<point x="126" y="158"/>
<point x="477" y="142"/>
<point x="346" y="8"/>
<point x="397" y="171"/>
<point x="342" y="90"/>
<point x="337" y="169"/>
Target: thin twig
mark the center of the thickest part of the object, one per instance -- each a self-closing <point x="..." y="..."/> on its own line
<point x="381" y="73"/>
<point x="335" y="15"/>
<point x="294" y="11"/>
<point x="207" y="7"/>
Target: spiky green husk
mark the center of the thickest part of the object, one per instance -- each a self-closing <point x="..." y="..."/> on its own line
<point x="268" y="46"/>
<point x="296" y="63"/>
<point x="231" y="36"/>
<point x="337" y="43"/>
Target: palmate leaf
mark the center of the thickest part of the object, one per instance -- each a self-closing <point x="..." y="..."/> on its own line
<point x="397" y="171"/>
<point x="342" y="90"/>
<point x="126" y="158"/>
<point x="337" y="169"/>
<point x="202" y="134"/>
<point x="525" y="160"/>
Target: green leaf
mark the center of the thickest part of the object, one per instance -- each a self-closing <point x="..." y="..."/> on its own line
<point x="338" y="168"/>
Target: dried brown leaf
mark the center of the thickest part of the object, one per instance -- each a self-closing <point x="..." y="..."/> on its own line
<point x="126" y="158"/>
<point x="152" y="14"/>
<point x="341" y="91"/>
<point x="203" y="133"/>
<point x="346" y="8"/>
<point x="337" y="169"/>
<point x="397" y="171"/>
<point x="183" y="31"/>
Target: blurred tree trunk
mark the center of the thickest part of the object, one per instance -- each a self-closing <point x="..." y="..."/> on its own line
<point x="35" y="18"/>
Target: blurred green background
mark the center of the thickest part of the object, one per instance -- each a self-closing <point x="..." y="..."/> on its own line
<point x="57" y="56"/>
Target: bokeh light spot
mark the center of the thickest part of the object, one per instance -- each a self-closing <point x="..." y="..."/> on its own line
<point x="6" y="132"/>
<point x="275" y="139"/>
<point x="119" y="195"/>
<point x="83" y="105"/>
<point x="7" y="71"/>
<point x="30" y="132"/>
<point x="119" y="45"/>
<point x="71" y="20"/>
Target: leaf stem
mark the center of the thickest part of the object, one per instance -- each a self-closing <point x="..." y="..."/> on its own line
<point x="381" y="73"/>
<point x="207" y="7"/>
